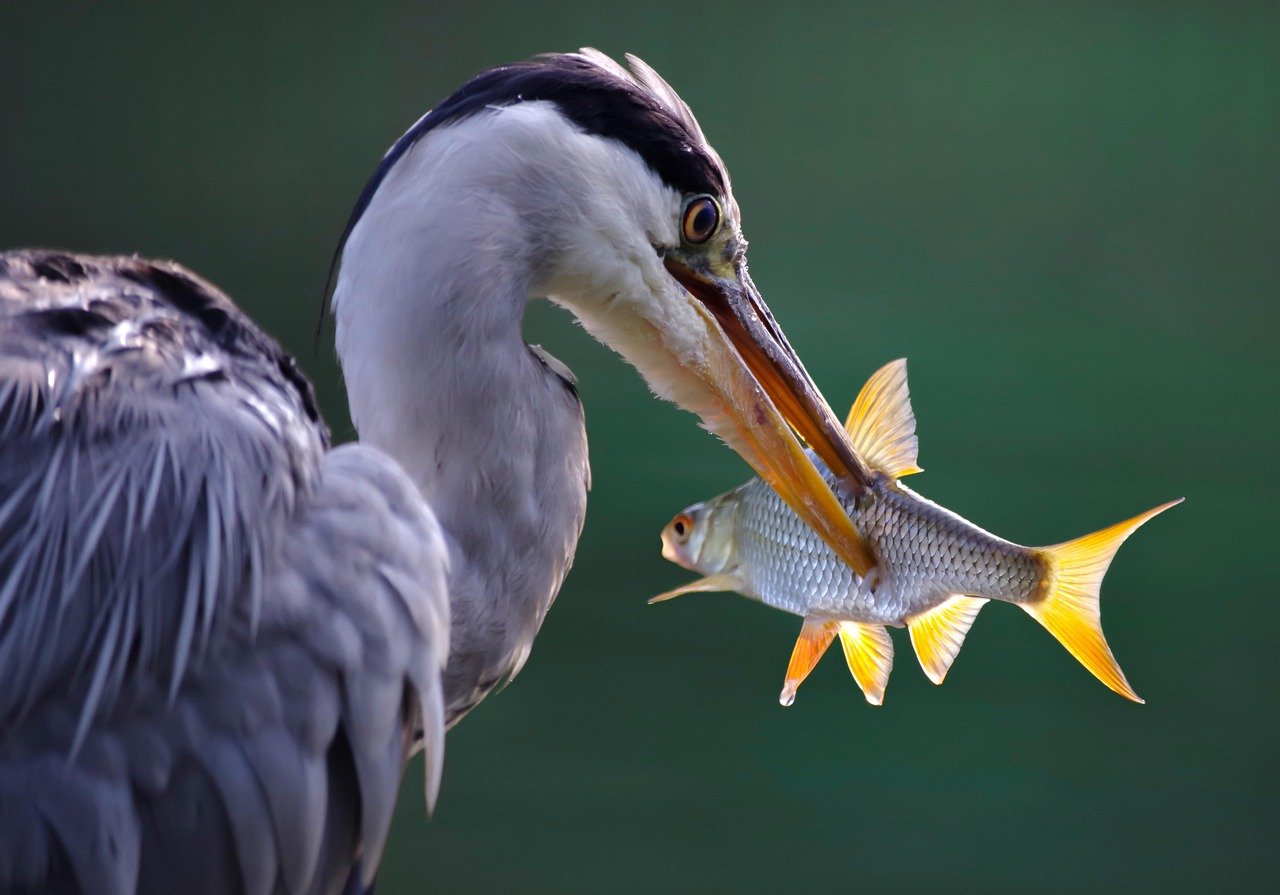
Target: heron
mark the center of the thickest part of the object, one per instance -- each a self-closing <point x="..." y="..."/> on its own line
<point x="221" y="638"/>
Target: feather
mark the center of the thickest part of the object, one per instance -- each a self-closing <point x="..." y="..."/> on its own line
<point x="137" y="436"/>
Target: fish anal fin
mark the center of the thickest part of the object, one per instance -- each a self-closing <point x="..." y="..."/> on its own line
<point x="815" y="636"/>
<point x="868" y="650"/>
<point x="702" y="585"/>
<point x="938" y="634"/>
<point x="881" y="424"/>
<point x="1069" y="607"/>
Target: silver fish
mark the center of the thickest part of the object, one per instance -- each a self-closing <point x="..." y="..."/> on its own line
<point x="933" y="569"/>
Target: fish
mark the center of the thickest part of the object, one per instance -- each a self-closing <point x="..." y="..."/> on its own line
<point x="933" y="570"/>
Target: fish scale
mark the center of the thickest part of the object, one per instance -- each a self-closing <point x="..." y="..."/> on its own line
<point x="926" y="553"/>
<point x="788" y="566"/>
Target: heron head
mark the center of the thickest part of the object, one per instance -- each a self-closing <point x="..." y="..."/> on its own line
<point x="656" y="268"/>
<point x="594" y="185"/>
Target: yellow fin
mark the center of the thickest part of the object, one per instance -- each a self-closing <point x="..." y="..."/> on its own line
<point x="881" y="424"/>
<point x="868" y="649"/>
<point x="1069" y="609"/>
<point x="938" y="634"/>
<point x="702" y="585"/>
<point x="815" y="636"/>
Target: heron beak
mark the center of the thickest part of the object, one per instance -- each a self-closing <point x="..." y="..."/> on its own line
<point x="764" y="394"/>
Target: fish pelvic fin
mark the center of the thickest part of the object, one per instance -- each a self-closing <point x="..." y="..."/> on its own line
<point x="868" y="650"/>
<point x="815" y="636"/>
<point x="881" y="424"/>
<point x="702" y="585"/>
<point x="938" y="634"/>
<point x="1069" y="608"/>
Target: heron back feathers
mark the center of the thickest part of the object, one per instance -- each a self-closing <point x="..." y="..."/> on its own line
<point x="219" y="643"/>
<point x="152" y="443"/>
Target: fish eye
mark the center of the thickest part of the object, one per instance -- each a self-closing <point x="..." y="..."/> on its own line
<point x="682" y="527"/>
<point x="701" y="219"/>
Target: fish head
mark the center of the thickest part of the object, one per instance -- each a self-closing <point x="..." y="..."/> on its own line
<point x="702" y="537"/>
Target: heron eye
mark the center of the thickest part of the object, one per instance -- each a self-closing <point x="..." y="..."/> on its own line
<point x="682" y="525"/>
<point x="701" y="219"/>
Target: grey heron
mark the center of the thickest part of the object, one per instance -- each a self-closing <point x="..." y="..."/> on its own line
<point x="221" y="640"/>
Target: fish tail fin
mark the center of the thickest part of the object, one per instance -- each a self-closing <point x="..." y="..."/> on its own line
<point x="1069" y="608"/>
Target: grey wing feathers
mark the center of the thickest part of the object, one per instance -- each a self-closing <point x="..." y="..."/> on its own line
<point x="218" y="642"/>
<point x="152" y="442"/>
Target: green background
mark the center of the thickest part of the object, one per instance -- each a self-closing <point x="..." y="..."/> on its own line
<point x="1065" y="216"/>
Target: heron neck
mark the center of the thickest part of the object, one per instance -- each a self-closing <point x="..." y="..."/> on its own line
<point x="439" y="377"/>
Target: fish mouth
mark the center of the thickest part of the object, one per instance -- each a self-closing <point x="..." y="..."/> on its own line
<point x="766" y="397"/>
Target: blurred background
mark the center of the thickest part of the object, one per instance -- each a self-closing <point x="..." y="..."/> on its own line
<point x="1065" y="217"/>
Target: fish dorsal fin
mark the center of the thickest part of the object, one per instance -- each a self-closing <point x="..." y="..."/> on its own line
<point x="938" y="634"/>
<point x="882" y="426"/>
<point x="703" y="585"/>
<point x="869" y="651"/>
<point x="815" y="636"/>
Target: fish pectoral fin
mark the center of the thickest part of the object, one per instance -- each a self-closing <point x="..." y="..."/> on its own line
<point x="938" y="634"/>
<point x="881" y="424"/>
<point x="702" y="585"/>
<point x="868" y="649"/>
<point x="815" y="636"/>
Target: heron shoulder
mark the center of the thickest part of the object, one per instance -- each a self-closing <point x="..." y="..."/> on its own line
<point x="557" y="368"/>
<point x="203" y="613"/>
<point x="152" y="440"/>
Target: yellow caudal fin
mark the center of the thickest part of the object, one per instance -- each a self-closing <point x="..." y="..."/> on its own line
<point x="868" y="650"/>
<point x="881" y="424"/>
<point x="702" y="585"/>
<point x="938" y="634"/>
<point x="815" y="636"/>
<point x="1069" y="609"/>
